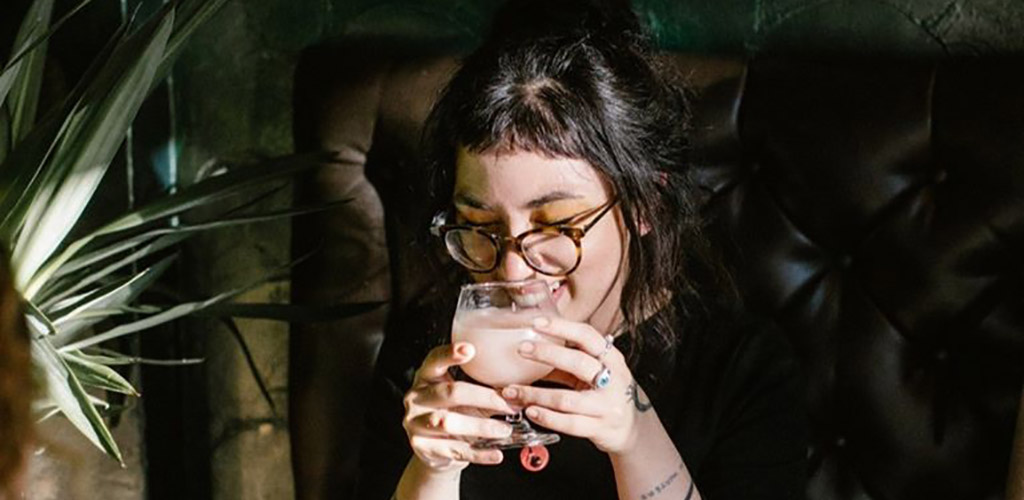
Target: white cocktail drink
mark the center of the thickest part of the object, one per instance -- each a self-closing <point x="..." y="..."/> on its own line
<point x="497" y="317"/>
<point x="496" y="334"/>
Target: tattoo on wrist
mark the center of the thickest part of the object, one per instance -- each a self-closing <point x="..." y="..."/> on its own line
<point x="633" y="393"/>
<point x="663" y="486"/>
<point x="689" y="491"/>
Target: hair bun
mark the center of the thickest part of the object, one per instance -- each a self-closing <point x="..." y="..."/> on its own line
<point x="519" y="20"/>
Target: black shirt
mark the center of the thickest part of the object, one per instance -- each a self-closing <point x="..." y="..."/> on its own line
<point x="730" y="396"/>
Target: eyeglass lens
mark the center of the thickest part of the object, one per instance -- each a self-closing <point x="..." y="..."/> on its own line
<point x="546" y="252"/>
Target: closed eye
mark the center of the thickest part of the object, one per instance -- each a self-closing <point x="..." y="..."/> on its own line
<point x="480" y="225"/>
<point x="557" y="223"/>
<point x="570" y="220"/>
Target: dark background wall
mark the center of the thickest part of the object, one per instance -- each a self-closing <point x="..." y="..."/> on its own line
<point x="230" y="96"/>
<point x="233" y="92"/>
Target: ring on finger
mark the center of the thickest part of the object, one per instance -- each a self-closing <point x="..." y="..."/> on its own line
<point x="609" y="342"/>
<point x="602" y="378"/>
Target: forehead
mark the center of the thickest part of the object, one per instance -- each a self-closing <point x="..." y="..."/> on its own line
<point x="518" y="177"/>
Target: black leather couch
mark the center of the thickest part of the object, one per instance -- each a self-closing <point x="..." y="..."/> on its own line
<point x="874" y="208"/>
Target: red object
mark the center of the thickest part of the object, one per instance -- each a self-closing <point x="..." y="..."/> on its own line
<point x="534" y="458"/>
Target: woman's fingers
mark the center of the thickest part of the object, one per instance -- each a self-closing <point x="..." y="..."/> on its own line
<point x="451" y="394"/>
<point x="562" y="378"/>
<point x="580" y="334"/>
<point x="439" y="453"/>
<point x="440" y="359"/>
<point x="561" y="400"/>
<point x="442" y="423"/>
<point x="573" y="425"/>
<point x="575" y="362"/>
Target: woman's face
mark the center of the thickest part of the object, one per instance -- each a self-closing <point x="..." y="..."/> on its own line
<point x="509" y="193"/>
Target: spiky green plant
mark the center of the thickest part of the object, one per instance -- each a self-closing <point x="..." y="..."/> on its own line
<point x="82" y="292"/>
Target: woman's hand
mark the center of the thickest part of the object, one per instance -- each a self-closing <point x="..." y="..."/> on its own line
<point x="606" y="416"/>
<point x="442" y="415"/>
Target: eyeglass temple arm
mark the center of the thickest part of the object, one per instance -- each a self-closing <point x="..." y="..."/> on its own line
<point x="437" y="223"/>
<point x="600" y="214"/>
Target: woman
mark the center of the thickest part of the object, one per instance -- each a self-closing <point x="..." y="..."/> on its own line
<point x="15" y="385"/>
<point x="561" y="119"/>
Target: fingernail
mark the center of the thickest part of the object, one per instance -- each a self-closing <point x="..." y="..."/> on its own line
<point x="464" y="349"/>
<point x="510" y="392"/>
<point x="526" y="347"/>
<point x="532" y="412"/>
<point x="541" y="322"/>
<point x="503" y="430"/>
<point x="502" y="406"/>
<point x="495" y="458"/>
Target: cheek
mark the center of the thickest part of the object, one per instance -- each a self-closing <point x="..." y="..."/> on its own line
<point x="602" y="258"/>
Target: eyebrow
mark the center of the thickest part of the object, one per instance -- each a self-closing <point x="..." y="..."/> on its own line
<point x="465" y="199"/>
<point x="550" y="198"/>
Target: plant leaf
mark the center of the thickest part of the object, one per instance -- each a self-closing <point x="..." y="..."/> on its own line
<point x="100" y="255"/>
<point x="5" y="135"/>
<point x="7" y="79"/>
<point x="48" y="413"/>
<point x="161" y="318"/>
<point x="95" y="130"/>
<point x="87" y="278"/>
<point x="26" y="48"/>
<point x="113" y="358"/>
<point x="191" y="15"/>
<point x="216" y="188"/>
<point x="251" y="363"/>
<point x="201" y="193"/>
<point x="66" y="391"/>
<point x="113" y="245"/>
<point x="24" y="173"/>
<point x="75" y="320"/>
<point x="180" y="232"/>
<point x="97" y="375"/>
<point x="24" y="94"/>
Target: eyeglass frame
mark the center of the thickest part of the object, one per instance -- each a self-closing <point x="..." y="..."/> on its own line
<point x="574" y="233"/>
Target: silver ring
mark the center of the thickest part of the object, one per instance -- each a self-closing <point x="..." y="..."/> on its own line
<point x="609" y="342"/>
<point x="602" y="379"/>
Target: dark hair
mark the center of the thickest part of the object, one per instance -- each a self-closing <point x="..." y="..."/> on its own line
<point x="577" y="79"/>
<point x="16" y="381"/>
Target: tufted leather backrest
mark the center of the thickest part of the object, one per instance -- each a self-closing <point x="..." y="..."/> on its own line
<point x="874" y="208"/>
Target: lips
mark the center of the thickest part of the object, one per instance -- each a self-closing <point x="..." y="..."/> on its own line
<point x="557" y="289"/>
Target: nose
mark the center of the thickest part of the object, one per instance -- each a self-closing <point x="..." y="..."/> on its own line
<point x="513" y="267"/>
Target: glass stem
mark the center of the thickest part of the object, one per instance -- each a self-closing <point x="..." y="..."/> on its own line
<point x="519" y="424"/>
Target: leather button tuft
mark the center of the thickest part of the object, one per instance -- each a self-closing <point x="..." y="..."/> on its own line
<point x="941" y="176"/>
<point x="941" y="355"/>
<point x="840" y="442"/>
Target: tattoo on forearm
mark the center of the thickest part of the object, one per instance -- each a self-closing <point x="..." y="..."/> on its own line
<point x="663" y="486"/>
<point x="633" y="393"/>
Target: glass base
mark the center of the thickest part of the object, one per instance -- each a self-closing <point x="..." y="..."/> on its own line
<point x="522" y="436"/>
